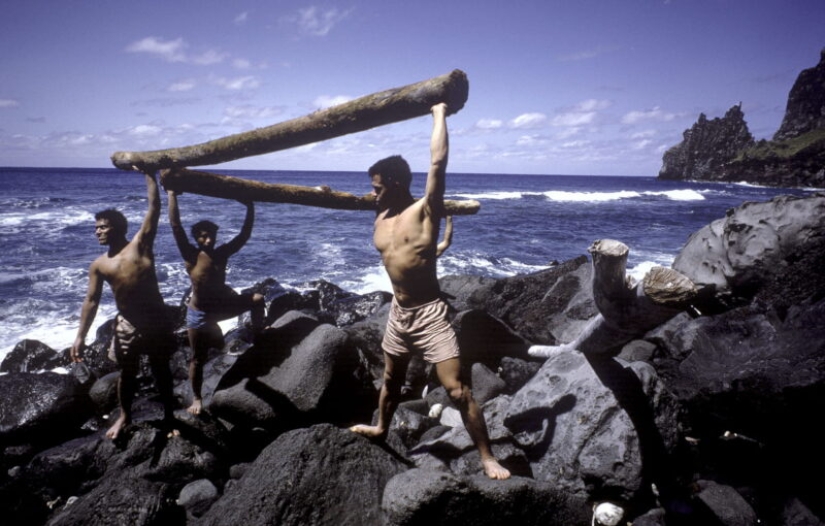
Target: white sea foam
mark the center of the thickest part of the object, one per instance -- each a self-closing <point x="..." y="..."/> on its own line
<point x="679" y="195"/>
<point x="493" y="196"/>
<point x="562" y="196"/>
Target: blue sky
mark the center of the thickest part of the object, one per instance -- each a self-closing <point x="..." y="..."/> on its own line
<point x="556" y="87"/>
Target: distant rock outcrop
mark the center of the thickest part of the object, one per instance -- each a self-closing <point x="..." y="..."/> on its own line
<point x="805" y="111"/>
<point x="707" y="146"/>
<point x="723" y="149"/>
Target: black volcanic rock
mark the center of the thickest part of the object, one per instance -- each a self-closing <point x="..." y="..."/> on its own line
<point x="723" y="150"/>
<point x="707" y="146"/>
<point x="805" y="111"/>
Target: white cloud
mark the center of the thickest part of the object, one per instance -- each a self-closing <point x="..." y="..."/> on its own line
<point x="181" y="85"/>
<point x="209" y="57"/>
<point x="248" y="111"/>
<point x="241" y="63"/>
<point x="489" y="124"/>
<point x="327" y="101"/>
<point x="574" y="119"/>
<point x="583" y="113"/>
<point x="9" y="103"/>
<point x="175" y="51"/>
<point x="528" y="121"/>
<point x="145" y="130"/>
<point x="170" y="51"/>
<point x="592" y="105"/>
<point x="654" y="114"/>
<point x="242" y="18"/>
<point x="239" y="83"/>
<point x="314" y="21"/>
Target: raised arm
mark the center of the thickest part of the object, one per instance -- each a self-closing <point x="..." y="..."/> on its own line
<point x="448" y="237"/>
<point x="246" y="230"/>
<point x="88" y="311"/>
<point x="439" y="149"/>
<point x="187" y="251"/>
<point x="149" y="228"/>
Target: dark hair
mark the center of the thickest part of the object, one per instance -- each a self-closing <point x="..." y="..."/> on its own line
<point x="393" y="169"/>
<point x="116" y="220"/>
<point x="205" y="225"/>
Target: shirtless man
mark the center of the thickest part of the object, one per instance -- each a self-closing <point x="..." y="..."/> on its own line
<point x="212" y="299"/>
<point x="406" y="234"/>
<point x="143" y="324"/>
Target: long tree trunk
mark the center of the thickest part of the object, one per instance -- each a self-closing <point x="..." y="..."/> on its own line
<point x="228" y="187"/>
<point x="361" y="114"/>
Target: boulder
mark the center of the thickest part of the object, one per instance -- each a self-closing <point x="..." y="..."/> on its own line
<point x="435" y="498"/>
<point x="309" y="477"/>
<point x="588" y="426"/>
<point x="731" y="259"/>
<point x="309" y="373"/>
<point x="41" y="407"/>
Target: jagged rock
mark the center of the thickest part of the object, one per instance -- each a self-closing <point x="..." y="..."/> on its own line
<point x="581" y="421"/>
<point x="729" y="507"/>
<point x="307" y="373"/>
<point x="30" y="356"/>
<point x="723" y="150"/>
<point x="486" y="385"/>
<point x="706" y="146"/>
<point x="349" y="310"/>
<point x="133" y="480"/>
<point x="806" y="103"/>
<point x="435" y="498"/>
<point x="41" y="407"/>
<point x="545" y="307"/>
<point x="309" y="477"/>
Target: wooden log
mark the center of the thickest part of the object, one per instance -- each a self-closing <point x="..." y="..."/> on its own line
<point x="361" y="114"/>
<point x="229" y="187"/>
<point x="627" y="310"/>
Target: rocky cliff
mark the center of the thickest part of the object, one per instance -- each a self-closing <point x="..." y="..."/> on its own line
<point x="724" y="150"/>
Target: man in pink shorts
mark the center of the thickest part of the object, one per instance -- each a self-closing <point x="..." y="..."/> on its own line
<point x="406" y="235"/>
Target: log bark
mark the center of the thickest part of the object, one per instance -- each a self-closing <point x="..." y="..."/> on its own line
<point x="229" y="187"/>
<point x="627" y="310"/>
<point x="361" y="114"/>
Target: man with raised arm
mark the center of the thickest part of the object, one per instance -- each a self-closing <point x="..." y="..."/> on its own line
<point x="212" y="300"/>
<point x="143" y="324"/>
<point x="406" y="236"/>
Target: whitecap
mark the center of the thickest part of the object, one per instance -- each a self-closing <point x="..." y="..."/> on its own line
<point x="680" y="195"/>
<point x="562" y="196"/>
<point x="493" y="196"/>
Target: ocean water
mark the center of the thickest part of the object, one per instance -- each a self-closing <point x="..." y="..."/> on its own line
<point x="525" y="223"/>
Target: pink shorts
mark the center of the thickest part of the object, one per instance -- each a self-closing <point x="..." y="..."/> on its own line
<point x="425" y="329"/>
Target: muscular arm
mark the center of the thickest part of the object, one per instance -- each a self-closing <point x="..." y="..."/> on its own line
<point x="448" y="237"/>
<point x="88" y="311"/>
<point x="439" y="149"/>
<point x="149" y="227"/>
<point x="187" y="251"/>
<point x="246" y="230"/>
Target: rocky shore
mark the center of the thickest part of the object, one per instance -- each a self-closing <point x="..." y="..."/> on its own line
<point x="709" y="418"/>
<point x="723" y="149"/>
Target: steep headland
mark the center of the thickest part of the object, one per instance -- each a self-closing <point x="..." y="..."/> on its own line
<point x="722" y="149"/>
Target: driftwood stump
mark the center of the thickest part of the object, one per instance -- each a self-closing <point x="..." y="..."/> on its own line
<point x="627" y="310"/>
<point x="361" y="114"/>
<point x="228" y="187"/>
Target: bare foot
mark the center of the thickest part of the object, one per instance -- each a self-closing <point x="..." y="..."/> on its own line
<point x="494" y="470"/>
<point x="117" y="427"/>
<point x="368" y="431"/>
<point x="173" y="433"/>
<point x="196" y="407"/>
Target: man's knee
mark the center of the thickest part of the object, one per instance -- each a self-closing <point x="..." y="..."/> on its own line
<point x="459" y="393"/>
